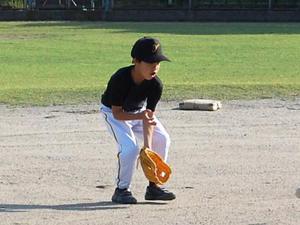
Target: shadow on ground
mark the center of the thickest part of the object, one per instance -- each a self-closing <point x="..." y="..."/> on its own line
<point x="103" y="205"/>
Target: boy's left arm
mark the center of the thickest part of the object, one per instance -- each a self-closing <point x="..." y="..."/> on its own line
<point x="148" y="128"/>
<point x="152" y="101"/>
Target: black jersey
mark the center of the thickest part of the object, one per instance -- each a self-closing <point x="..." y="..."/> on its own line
<point x="123" y="91"/>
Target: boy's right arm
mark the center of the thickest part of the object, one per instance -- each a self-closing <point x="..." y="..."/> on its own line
<point x="120" y="114"/>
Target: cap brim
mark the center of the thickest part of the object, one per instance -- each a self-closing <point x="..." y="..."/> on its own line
<point x="156" y="58"/>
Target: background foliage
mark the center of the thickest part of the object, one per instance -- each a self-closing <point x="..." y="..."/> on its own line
<point x="169" y="4"/>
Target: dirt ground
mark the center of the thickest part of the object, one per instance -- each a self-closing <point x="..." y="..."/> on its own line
<point x="238" y="165"/>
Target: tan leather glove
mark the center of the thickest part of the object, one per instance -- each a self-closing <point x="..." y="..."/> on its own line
<point x="155" y="169"/>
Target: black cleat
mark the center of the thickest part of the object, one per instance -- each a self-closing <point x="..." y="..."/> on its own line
<point x="157" y="193"/>
<point x="123" y="196"/>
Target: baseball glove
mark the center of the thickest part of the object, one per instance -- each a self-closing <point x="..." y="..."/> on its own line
<point x="155" y="169"/>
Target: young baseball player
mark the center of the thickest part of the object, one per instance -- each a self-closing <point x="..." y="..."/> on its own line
<point x="128" y="106"/>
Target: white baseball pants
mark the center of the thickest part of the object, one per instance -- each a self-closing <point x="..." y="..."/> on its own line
<point x="126" y="134"/>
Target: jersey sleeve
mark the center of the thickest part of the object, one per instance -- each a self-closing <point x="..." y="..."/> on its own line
<point x="117" y="91"/>
<point x="154" y="95"/>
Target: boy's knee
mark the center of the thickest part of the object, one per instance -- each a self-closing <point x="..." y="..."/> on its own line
<point x="130" y="151"/>
<point x="165" y="140"/>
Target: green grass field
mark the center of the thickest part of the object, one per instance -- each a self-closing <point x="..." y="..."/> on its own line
<point x="49" y="63"/>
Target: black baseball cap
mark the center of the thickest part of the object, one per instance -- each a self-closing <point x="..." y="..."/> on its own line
<point x="149" y="50"/>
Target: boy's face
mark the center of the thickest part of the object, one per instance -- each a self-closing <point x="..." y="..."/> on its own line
<point x="147" y="70"/>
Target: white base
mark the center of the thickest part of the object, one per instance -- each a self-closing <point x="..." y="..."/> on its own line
<point x="200" y="104"/>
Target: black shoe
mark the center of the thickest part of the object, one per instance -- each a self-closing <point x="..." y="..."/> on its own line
<point x="157" y="193"/>
<point x="123" y="196"/>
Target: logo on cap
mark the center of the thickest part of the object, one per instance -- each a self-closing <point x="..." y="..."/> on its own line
<point x="155" y="47"/>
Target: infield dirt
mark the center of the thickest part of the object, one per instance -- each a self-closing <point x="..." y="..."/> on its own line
<point x="238" y="165"/>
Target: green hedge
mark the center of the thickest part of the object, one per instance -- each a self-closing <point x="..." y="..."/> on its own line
<point x="231" y="3"/>
<point x="206" y="3"/>
<point x="13" y="4"/>
<point x="149" y="3"/>
<point x="196" y="4"/>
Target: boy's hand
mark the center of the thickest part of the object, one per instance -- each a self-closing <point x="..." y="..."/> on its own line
<point x="148" y="117"/>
